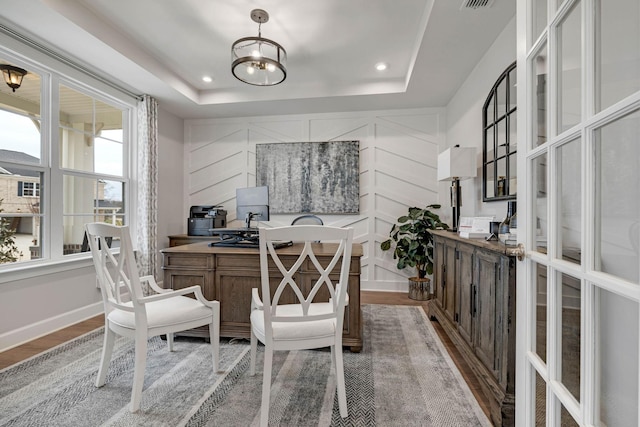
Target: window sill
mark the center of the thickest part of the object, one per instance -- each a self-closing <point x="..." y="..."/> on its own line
<point x="28" y="270"/>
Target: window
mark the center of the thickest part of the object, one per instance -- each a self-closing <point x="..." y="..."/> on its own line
<point x="499" y="142"/>
<point x="60" y="166"/>
<point x="28" y="189"/>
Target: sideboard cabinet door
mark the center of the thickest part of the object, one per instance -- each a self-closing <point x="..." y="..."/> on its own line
<point x="451" y="281"/>
<point x="439" y="271"/>
<point x="466" y="296"/>
<point x="487" y="281"/>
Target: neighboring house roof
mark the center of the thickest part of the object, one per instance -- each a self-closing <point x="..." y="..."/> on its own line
<point x="18" y="157"/>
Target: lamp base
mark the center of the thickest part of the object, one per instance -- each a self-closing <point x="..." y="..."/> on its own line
<point x="455" y="203"/>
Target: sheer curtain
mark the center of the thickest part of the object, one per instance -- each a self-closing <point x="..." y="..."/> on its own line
<point x="147" y="185"/>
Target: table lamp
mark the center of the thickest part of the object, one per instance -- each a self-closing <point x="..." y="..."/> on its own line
<point x="456" y="163"/>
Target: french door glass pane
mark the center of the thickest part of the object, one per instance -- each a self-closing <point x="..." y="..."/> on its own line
<point x="570" y="332"/>
<point x="539" y="18"/>
<point x="570" y="69"/>
<point x="617" y="166"/>
<point x="570" y="201"/>
<point x="539" y="100"/>
<point x="566" y="420"/>
<point x="541" y="401"/>
<point x="541" y="312"/>
<point x="618" y="51"/>
<point x="617" y="381"/>
<point x="540" y="185"/>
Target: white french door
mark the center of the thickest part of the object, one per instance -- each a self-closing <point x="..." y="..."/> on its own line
<point x="578" y="293"/>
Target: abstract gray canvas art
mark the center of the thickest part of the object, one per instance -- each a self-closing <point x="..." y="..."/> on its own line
<point x="314" y="177"/>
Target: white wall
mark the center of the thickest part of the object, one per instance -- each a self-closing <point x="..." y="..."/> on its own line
<point x="39" y="305"/>
<point x="464" y="120"/>
<point x="172" y="217"/>
<point x="398" y="159"/>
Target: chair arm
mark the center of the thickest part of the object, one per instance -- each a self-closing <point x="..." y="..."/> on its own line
<point x="196" y="290"/>
<point x="256" y="302"/>
<point x="152" y="283"/>
<point x="346" y="299"/>
<point x="121" y="306"/>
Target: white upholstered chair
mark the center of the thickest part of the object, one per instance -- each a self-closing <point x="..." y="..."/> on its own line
<point x="316" y="318"/>
<point x="128" y="312"/>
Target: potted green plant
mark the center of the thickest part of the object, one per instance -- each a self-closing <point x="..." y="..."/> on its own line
<point x="412" y="244"/>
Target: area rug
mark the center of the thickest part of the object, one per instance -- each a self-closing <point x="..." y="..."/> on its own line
<point x="402" y="377"/>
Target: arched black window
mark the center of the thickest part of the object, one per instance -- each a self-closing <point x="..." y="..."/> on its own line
<point x="499" y="141"/>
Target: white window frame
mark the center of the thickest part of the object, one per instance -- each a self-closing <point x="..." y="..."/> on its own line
<point x="54" y="72"/>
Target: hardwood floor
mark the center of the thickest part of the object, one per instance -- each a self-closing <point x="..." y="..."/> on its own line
<point x="25" y="351"/>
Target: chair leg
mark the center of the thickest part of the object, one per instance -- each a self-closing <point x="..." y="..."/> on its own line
<point x="266" y="386"/>
<point x="340" y="386"/>
<point x="107" y="349"/>
<point x="254" y="347"/>
<point x="214" y="337"/>
<point x="333" y="357"/>
<point x="138" y="371"/>
<point x="170" y="341"/>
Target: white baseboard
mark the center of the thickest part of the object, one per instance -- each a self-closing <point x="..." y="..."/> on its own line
<point x="36" y="330"/>
<point x="377" y="285"/>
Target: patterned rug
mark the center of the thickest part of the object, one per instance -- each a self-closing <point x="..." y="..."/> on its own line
<point x="402" y="377"/>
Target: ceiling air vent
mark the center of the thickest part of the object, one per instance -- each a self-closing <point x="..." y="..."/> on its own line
<point x="476" y="4"/>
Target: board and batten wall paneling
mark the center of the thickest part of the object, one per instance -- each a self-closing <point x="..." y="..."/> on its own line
<point x="398" y="160"/>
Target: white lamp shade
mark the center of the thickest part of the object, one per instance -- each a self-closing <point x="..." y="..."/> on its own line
<point x="457" y="162"/>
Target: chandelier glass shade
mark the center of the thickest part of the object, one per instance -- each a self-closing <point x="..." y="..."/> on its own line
<point x="12" y="75"/>
<point x="256" y="60"/>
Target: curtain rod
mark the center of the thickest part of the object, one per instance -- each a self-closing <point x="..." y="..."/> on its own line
<point x="55" y="55"/>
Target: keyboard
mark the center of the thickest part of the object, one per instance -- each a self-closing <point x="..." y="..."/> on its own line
<point x="247" y="244"/>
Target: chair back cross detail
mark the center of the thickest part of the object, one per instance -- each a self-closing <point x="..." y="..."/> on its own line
<point x="323" y="282"/>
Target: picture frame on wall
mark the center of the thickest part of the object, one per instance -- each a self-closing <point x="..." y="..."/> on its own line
<point x="310" y="177"/>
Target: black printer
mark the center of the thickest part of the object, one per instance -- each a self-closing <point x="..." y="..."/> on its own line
<point x="203" y="218"/>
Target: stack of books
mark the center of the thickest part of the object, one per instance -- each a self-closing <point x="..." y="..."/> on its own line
<point x="477" y="227"/>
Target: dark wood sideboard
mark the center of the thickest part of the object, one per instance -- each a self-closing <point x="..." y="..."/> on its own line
<point x="229" y="274"/>
<point x="474" y="302"/>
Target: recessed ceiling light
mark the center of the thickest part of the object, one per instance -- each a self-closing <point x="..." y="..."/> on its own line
<point x="207" y="79"/>
<point x="381" y="66"/>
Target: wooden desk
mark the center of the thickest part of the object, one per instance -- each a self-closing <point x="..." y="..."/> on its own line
<point x="228" y="275"/>
<point x="185" y="239"/>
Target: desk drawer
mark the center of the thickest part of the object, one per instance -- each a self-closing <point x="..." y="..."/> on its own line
<point x="191" y="261"/>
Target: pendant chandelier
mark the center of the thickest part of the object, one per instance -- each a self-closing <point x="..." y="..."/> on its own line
<point x="256" y="60"/>
<point x="12" y="75"/>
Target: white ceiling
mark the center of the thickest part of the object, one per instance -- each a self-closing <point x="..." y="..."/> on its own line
<point x="165" y="47"/>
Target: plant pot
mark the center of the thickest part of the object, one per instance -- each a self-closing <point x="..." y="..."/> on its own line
<point x="420" y="288"/>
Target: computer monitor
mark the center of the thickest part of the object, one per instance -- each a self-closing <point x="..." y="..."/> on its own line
<point x="252" y="203"/>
